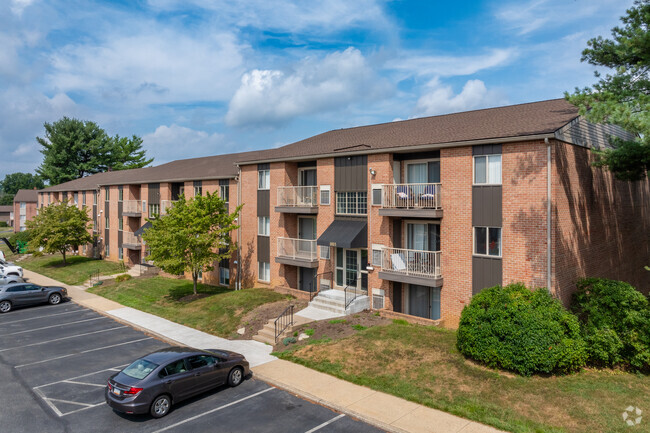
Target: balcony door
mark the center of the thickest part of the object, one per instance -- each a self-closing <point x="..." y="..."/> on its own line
<point x="423" y="237"/>
<point x="423" y="172"/>
<point x="351" y="268"/>
<point x="306" y="234"/>
<point x="307" y="177"/>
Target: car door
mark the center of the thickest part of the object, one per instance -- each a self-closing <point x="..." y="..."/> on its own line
<point x="178" y="380"/>
<point x="206" y="376"/>
<point x="17" y="294"/>
<point x="34" y="294"/>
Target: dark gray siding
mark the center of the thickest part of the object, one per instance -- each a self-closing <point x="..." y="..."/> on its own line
<point x="397" y="233"/>
<point x="265" y="166"/>
<point x="120" y="205"/>
<point x="263" y="249"/>
<point x="486" y="149"/>
<point x="486" y="272"/>
<point x="397" y="297"/>
<point x="306" y="164"/>
<point x="487" y="206"/>
<point x="417" y="155"/>
<point x="351" y="173"/>
<point x="119" y="239"/>
<point x="154" y="193"/>
<point x="263" y="202"/>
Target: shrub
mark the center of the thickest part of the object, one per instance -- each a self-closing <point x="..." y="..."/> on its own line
<point x="24" y="236"/>
<point x="289" y="340"/>
<point x="37" y="253"/>
<point x="309" y="331"/>
<point x="615" y="321"/>
<point x="123" y="277"/>
<point x="526" y="331"/>
<point x="4" y="224"/>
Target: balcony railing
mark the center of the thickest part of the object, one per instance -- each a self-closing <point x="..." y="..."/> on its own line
<point x="415" y="263"/>
<point x="412" y="196"/>
<point x="302" y="249"/>
<point x="132" y="206"/>
<point x="166" y="204"/>
<point x="130" y="239"/>
<point x="298" y="196"/>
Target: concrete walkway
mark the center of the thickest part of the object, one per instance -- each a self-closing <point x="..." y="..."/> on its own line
<point x="382" y="410"/>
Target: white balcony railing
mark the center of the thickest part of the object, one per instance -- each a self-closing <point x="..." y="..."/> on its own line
<point x="416" y="263"/>
<point x="412" y="195"/>
<point x="304" y="249"/>
<point x="131" y="239"/>
<point x="131" y="206"/>
<point x="166" y="204"/>
<point x="298" y="196"/>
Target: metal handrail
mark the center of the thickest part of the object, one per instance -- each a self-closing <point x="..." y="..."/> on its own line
<point x="298" y="196"/>
<point x="347" y="289"/>
<point x="412" y="196"/>
<point x="312" y="292"/>
<point x="283" y="321"/>
<point x="297" y="248"/>
<point x="418" y="263"/>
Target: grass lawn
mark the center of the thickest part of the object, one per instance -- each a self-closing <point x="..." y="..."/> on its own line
<point x="216" y="310"/>
<point x="422" y="364"/>
<point x="77" y="270"/>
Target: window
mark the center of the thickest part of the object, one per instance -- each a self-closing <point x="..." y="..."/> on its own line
<point x="106" y="226"/>
<point x="224" y="192"/>
<point x="120" y="193"/>
<point x="107" y="251"/>
<point x="95" y="194"/>
<point x="324" y="252"/>
<point x="83" y="198"/>
<point x="264" y="271"/>
<point x="154" y="209"/>
<point x="76" y="198"/>
<point x="23" y="205"/>
<point x="200" y="361"/>
<point x="120" y="253"/>
<point x="120" y="224"/>
<point x="487" y="241"/>
<point x="107" y="193"/>
<point x="377" y="255"/>
<point x="224" y="276"/>
<point x="376" y="195"/>
<point x="351" y="203"/>
<point x="173" y="368"/>
<point x="264" y="179"/>
<point x="198" y="188"/>
<point x="325" y="195"/>
<point x="487" y="170"/>
<point x="263" y="225"/>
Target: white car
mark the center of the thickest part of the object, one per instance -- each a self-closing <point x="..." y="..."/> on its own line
<point x="7" y="269"/>
<point x="10" y="279"/>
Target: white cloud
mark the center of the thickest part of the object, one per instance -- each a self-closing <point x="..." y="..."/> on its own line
<point x="153" y="66"/>
<point x="441" y="99"/>
<point x="273" y="97"/>
<point x="18" y="6"/>
<point x="447" y="66"/>
<point x="168" y="143"/>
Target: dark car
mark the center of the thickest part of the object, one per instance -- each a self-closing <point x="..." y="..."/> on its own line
<point x="17" y="294"/>
<point x="156" y="381"/>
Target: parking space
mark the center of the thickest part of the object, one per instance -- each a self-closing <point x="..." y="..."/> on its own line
<point x="61" y="357"/>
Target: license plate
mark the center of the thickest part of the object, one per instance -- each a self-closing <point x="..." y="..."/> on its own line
<point x="116" y="391"/>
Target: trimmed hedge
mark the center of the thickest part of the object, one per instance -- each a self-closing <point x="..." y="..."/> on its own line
<point x="522" y="330"/>
<point x="615" y="322"/>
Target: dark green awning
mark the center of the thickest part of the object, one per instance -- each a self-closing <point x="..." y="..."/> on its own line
<point x="142" y="229"/>
<point x="345" y="234"/>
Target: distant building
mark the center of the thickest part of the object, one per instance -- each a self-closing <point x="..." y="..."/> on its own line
<point x="7" y="214"/>
<point x="25" y="209"/>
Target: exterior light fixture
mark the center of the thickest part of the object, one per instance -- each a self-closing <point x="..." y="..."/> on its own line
<point x="372" y="172"/>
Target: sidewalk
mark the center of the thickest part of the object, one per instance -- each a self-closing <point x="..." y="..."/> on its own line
<point x="382" y="410"/>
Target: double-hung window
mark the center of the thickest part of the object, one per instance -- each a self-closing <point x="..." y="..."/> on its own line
<point x="352" y="203"/>
<point x="120" y="193"/>
<point x="264" y="179"/>
<point x="263" y="226"/>
<point x="487" y="170"/>
<point x="264" y="271"/>
<point x="487" y="241"/>
<point x="198" y="188"/>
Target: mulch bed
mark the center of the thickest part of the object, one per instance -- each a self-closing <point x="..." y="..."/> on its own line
<point x="256" y="319"/>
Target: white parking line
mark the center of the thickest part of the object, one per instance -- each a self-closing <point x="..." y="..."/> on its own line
<point x="55" y="326"/>
<point x="84" y="383"/>
<point x="79" y="353"/>
<point x="80" y="310"/>
<point x="83" y="408"/>
<point x="118" y="367"/>
<point x="326" y="423"/>
<point x="213" y="410"/>
<point x="48" y="402"/>
<point x="63" y="338"/>
<point x="88" y="405"/>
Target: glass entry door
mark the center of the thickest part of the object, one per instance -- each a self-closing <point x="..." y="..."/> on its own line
<point x="351" y="268"/>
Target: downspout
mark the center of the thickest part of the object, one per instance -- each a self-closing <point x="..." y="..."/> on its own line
<point x="548" y="215"/>
<point x="239" y="239"/>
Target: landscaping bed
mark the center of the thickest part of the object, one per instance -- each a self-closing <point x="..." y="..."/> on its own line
<point x="423" y="365"/>
<point x="216" y="310"/>
<point x="77" y="271"/>
<point x="255" y="320"/>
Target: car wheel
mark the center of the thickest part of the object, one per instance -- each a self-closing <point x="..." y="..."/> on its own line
<point x="54" y="299"/>
<point x="235" y="376"/>
<point x="5" y="307"/>
<point x="160" y="406"/>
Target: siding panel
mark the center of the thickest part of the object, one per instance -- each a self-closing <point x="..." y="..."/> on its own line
<point x="351" y="173"/>
<point x="487" y="206"/>
<point x="486" y="272"/>
<point x="263" y="202"/>
<point x="263" y="249"/>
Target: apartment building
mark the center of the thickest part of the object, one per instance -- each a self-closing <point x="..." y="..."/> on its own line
<point x="120" y="203"/>
<point x="25" y="202"/>
<point x="7" y="215"/>
<point x="416" y="216"/>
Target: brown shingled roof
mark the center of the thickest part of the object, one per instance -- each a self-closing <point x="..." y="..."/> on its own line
<point x="521" y="120"/>
<point x="7" y="208"/>
<point x="26" y="195"/>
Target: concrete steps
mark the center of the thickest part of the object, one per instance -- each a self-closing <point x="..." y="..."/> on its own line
<point x="334" y="302"/>
<point x="267" y="333"/>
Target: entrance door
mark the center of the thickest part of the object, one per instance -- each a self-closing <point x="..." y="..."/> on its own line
<point x="424" y="301"/>
<point x="306" y="279"/>
<point x="351" y="268"/>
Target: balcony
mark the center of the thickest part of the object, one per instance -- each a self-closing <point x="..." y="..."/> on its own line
<point x="132" y="208"/>
<point x="297" y="199"/>
<point x="131" y="241"/>
<point x="411" y="266"/>
<point x="297" y="252"/>
<point x="166" y="204"/>
<point x="412" y="200"/>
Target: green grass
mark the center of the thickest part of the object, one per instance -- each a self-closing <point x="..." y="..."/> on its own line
<point x="219" y="311"/>
<point x="77" y="270"/>
<point x="421" y="364"/>
<point x="336" y="321"/>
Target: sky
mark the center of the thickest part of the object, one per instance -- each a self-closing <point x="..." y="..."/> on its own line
<point x="206" y="77"/>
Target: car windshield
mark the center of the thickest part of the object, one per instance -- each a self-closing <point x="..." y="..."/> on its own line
<point x="140" y="369"/>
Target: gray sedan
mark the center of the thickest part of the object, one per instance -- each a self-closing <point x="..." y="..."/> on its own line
<point x="154" y="382"/>
<point x="18" y="294"/>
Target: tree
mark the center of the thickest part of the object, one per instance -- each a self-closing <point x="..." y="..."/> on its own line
<point x="623" y="97"/>
<point x="74" y="148"/>
<point x="192" y="236"/>
<point x="15" y="181"/>
<point x="59" y="227"/>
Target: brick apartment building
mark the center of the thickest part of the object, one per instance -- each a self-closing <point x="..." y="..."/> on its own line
<point x="24" y="208"/>
<point x="7" y="215"/>
<point x="412" y="217"/>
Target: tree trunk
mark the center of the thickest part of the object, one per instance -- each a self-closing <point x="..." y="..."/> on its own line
<point x="195" y="277"/>
<point x="63" y="252"/>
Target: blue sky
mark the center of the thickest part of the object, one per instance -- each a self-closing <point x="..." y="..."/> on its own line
<point x="205" y="77"/>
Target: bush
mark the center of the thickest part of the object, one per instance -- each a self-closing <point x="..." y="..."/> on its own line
<point x="521" y="330"/>
<point x="24" y="236"/>
<point x="37" y="253"/>
<point x="615" y="321"/>
<point x="123" y="277"/>
<point x="4" y="224"/>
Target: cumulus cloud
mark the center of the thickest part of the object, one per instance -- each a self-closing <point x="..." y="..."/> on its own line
<point x="441" y="99"/>
<point x="273" y="97"/>
<point x="168" y="143"/>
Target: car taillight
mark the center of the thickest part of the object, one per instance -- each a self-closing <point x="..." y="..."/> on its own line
<point x="132" y="391"/>
<point x="110" y="387"/>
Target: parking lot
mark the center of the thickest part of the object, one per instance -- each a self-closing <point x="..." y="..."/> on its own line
<point x="55" y="361"/>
